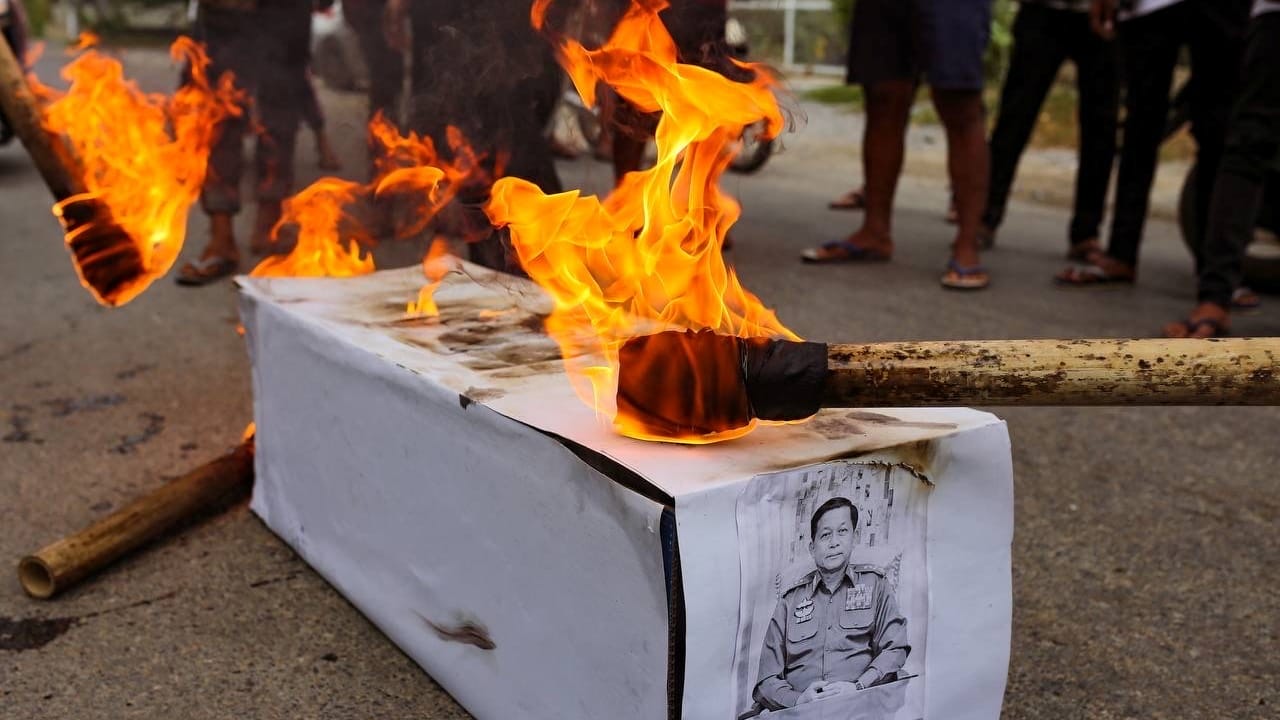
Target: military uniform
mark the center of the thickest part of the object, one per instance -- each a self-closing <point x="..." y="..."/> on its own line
<point x="832" y="636"/>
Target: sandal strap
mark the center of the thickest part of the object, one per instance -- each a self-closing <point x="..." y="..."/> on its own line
<point x="966" y="271"/>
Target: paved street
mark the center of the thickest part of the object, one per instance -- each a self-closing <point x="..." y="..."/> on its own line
<point x="1146" y="548"/>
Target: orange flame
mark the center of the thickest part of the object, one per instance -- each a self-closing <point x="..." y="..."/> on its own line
<point x="648" y="258"/>
<point x="321" y="251"/>
<point x="142" y="156"/>
<point x="435" y="266"/>
<point x="329" y="242"/>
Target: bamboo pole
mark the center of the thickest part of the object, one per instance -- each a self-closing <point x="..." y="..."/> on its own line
<point x="1227" y="371"/>
<point x="62" y="564"/>
<point x="22" y="111"/>
<point x="106" y="257"/>
<point x="684" y="385"/>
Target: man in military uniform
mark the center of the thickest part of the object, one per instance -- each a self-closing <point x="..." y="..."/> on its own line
<point x="836" y="630"/>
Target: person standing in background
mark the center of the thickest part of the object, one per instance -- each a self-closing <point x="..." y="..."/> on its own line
<point x="1252" y="148"/>
<point x="385" y="63"/>
<point x="1152" y="34"/>
<point x="479" y="66"/>
<point x="1047" y="33"/>
<point x="894" y="43"/>
<point x="265" y="45"/>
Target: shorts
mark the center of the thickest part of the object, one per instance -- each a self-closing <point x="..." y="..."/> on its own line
<point x="942" y="40"/>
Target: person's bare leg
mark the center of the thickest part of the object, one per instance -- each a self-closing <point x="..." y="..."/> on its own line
<point x="967" y="160"/>
<point x="888" y="109"/>
<point x="222" y="238"/>
<point x="327" y="158"/>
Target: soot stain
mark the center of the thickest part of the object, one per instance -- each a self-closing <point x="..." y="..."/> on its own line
<point x="465" y="633"/>
<point x="527" y="354"/>
<point x="834" y="428"/>
<point x="536" y="324"/>
<point x="130" y="443"/>
<point x="470" y="336"/>
<point x="546" y="367"/>
<point x="20" y="426"/>
<point x="482" y="395"/>
<point x="22" y="634"/>
<point x="881" y="419"/>
<point x="135" y="371"/>
<point x="63" y="407"/>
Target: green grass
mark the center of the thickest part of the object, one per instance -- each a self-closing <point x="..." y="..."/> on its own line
<point x="850" y="95"/>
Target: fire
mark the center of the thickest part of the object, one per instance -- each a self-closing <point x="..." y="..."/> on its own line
<point x="647" y="258"/>
<point x="321" y="250"/>
<point x="142" y="158"/>
<point x="330" y="243"/>
<point x="435" y="266"/>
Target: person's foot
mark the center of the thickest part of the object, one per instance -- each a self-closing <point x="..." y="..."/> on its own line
<point x="1244" y="300"/>
<point x="965" y="277"/>
<point x="328" y="158"/>
<point x="855" y="199"/>
<point x="862" y="246"/>
<point x="219" y="259"/>
<point x="1207" y="320"/>
<point x="263" y="241"/>
<point x="1084" y="250"/>
<point x="1100" y="269"/>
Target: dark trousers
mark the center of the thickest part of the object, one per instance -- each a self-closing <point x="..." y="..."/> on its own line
<point x="1253" y="141"/>
<point x="1150" y="44"/>
<point x="267" y="51"/>
<point x="385" y="64"/>
<point x="479" y="66"/>
<point x="1043" y="39"/>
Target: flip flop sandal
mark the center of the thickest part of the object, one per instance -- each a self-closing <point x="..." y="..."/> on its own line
<point x="959" y="277"/>
<point x="1191" y="326"/>
<point x="205" y="271"/>
<point x="852" y="200"/>
<point x="1090" y="275"/>
<point x="842" y="251"/>
<point x="1245" y="300"/>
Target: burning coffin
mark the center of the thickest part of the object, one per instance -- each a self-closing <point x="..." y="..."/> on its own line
<point x="441" y="473"/>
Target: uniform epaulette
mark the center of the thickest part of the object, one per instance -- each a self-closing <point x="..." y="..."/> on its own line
<point x="799" y="581"/>
<point x="869" y="568"/>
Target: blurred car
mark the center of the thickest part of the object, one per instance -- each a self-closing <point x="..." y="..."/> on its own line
<point x="335" y="52"/>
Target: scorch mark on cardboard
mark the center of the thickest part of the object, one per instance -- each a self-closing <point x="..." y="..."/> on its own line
<point x="466" y="632"/>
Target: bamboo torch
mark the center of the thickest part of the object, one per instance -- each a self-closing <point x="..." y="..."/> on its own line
<point x="106" y="257"/>
<point x="215" y="484"/>
<point x="681" y="383"/>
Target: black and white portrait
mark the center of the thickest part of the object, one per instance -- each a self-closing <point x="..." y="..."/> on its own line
<point x="834" y="596"/>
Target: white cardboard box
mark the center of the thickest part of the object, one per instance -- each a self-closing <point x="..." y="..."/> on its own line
<point x="443" y="476"/>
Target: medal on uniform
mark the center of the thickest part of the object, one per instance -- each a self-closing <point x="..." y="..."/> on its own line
<point x="804" y="611"/>
<point x="857" y="597"/>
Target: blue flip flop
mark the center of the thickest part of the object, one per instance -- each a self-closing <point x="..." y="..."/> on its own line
<point x="842" y="251"/>
<point x="959" y="277"/>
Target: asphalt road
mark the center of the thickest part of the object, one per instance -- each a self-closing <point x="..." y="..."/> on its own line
<point x="1145" y="559"/>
